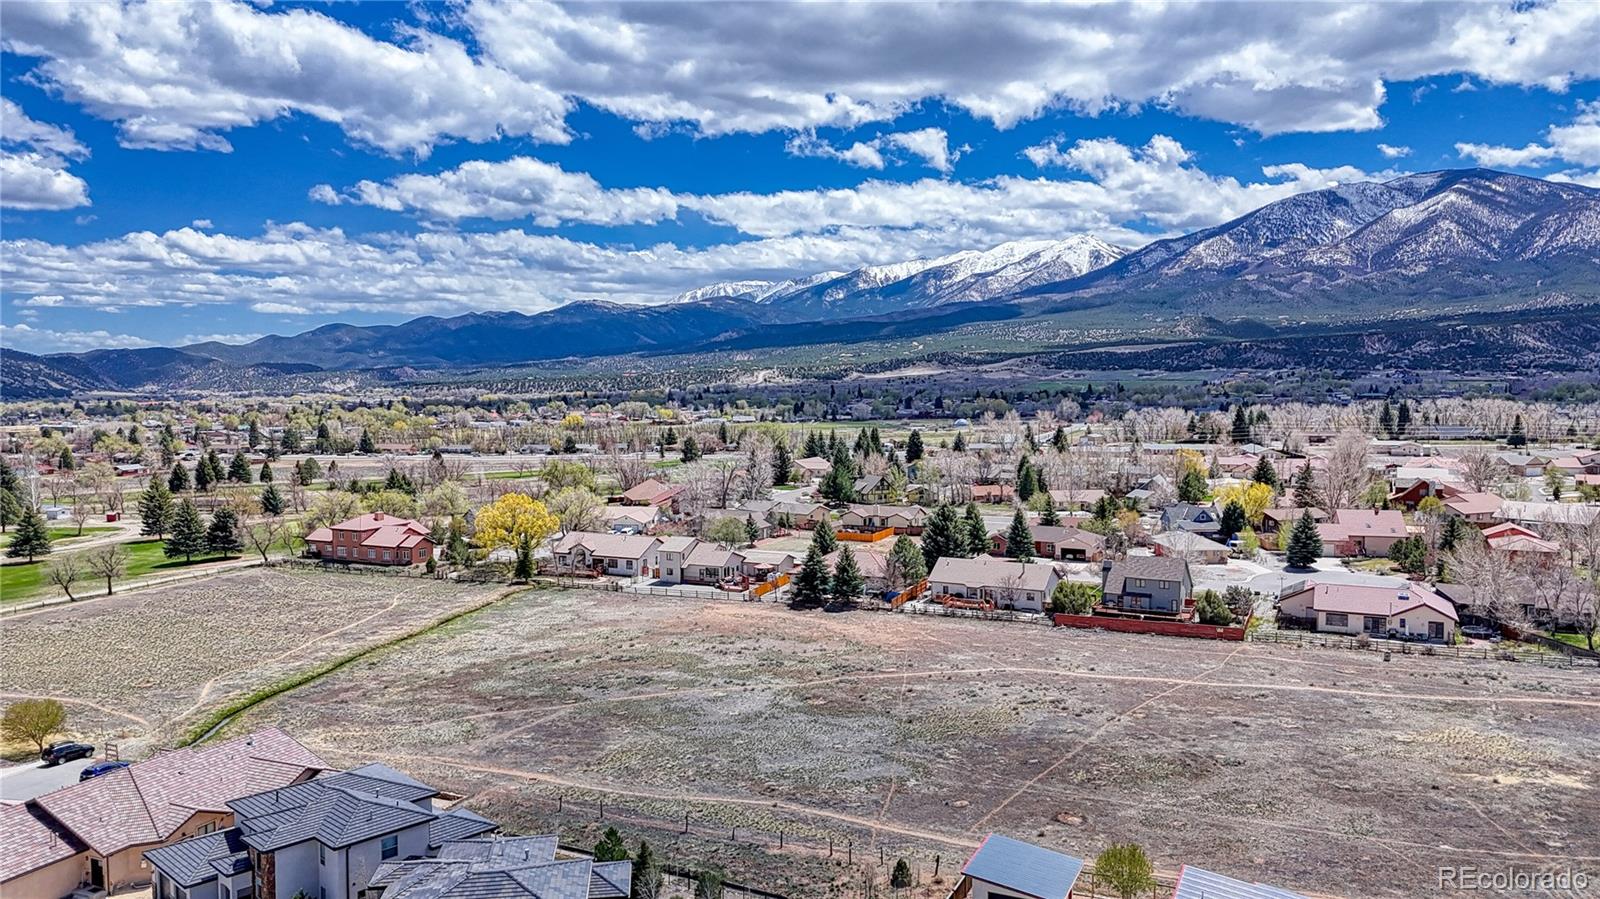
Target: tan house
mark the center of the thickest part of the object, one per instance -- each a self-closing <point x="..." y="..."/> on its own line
<point x="1062" y="543"/>
<point x="651" y="492"/>
<point x="95" y="833"/>
<point x="1366" y="533"/>
<point x="904" y="519"/>
<point x="1191" y="546"/>
<point x="1075" y="500"/>
<point x="1007" y="583"/>
<point x="1477" y="508"/>
<point x="813" y="468"/>
<point x="618" y="555"/>
<point x="1413" y="610"/>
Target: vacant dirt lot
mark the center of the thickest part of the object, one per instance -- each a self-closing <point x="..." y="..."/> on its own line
<point x="1324" y="771"/>
<point x="145" y="666"/>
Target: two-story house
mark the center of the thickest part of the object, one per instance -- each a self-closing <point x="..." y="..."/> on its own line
<point x="1159" y="584"/>
<point x="376" y="538"/>
<point x="323" y="838"/>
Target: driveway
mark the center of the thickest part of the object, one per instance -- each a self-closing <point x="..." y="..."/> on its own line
<point x="25" y="782"/>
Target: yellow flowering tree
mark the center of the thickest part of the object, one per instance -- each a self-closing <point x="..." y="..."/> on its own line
<point x="512" y="518"/>
<point x="1255" y="497"/>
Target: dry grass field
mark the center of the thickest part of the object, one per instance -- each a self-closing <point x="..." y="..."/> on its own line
<point x="1329" y="772"/>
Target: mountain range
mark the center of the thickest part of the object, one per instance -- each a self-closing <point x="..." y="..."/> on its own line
<point x="1441" y="241"/>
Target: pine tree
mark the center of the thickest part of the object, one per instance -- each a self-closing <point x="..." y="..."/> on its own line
<point x="1192" y="487"/>
<point x="1386" y="420"/>
<point x="691" y="448"/>
<point x="11" y="509"/>
<point x="188" y="535"/>
<point x="155" y="510"/>
<point x="1241" y="425"/>
<point x="977" y="532"/>
<point x="524" y="569"/>
<point x="266" y="473"/>
<point x="290" y="439"/>
<point x="908" y="561"/>
<point x="178" y="481"/>
<point x="914" y="448"/>
<point x="8" y="479"/>
<point x="610" y="848"/>
<point x="1305" y="487"/>
<point x="1305" y="545"/>
<point x="815" y="447"/>
<point x="943" y="536"/>
<point x="224" y="536"/>
<point x="1019" y="539"/>
<point x="1049" y="517"/>
<point x="202" y="475"/>
<point x="847" y="580"/>
<point x="823" y="538"/>
<point x="646" y="873"/>
<point x="1519" y="437"/>
<point x="31" y="538"/>
<point x="67" y="462"/>
<point x="1027" y="480"/>
<point x="782" y="464"/>
<point x="254" y="438"/>
<point x="239" y="469"/>
<point x="1233" y="520"/>
<point x="839" y="485"/>
<point x="960" y="444"/>
<point x="272" y="500"/>
<point x="812" y="583"/>
<point x="1265" y="473"/>
<point x="752" y="533"/>
<point x="366" y="444"/>
<point x="1402" y="419"/>
<point x="1059" y="439"/>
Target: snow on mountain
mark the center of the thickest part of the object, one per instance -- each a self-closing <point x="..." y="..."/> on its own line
<point x="723" y="289"/>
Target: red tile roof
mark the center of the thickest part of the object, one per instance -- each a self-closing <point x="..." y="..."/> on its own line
<point x="149" y="800"/>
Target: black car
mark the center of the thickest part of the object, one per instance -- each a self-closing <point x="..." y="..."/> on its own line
<point x="99" y="768"/>
<point x="65" y="751"/>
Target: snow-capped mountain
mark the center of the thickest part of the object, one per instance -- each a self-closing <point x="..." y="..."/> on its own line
<point x="1457" y="224"/>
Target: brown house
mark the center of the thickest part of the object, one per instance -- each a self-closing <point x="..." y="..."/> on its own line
<point x="373" y="539"/>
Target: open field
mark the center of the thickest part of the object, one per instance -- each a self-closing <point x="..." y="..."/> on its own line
<point x="29" y="580"/>
<point x="1329" y="772"/>
<point x="148" y="667"/>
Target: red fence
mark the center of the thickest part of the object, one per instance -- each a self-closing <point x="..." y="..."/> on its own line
<point x="1141" y="626"/>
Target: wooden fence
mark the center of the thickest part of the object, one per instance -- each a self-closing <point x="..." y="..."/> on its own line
<point x="762" y="589"/>
<point x="1480" y="652"/>
<point x="909" y="593"/>
<point x="866" y="536"/>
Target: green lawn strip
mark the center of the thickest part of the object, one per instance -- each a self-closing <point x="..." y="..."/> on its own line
<point x="145" y="558"/>
<point x="1578" y="640"/>
<point x="63" y="534"/>
<point x="509" y="475"/>
<point x="217" y="718"/>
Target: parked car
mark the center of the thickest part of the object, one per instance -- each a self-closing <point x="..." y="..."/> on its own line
<point x="1480" y="632"/>
<point x="99" y="768"/>
<point x="65" y="751"/>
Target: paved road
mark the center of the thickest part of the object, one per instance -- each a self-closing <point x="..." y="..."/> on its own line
<point x="26" y="782"/>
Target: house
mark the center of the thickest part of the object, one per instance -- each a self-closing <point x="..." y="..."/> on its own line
<point x="1477" y="508"/>
<point x="796" y="513"/>
<point x="1003" y="868"/>
<point x="1198" y="883"/>
<point x="632" y="519"/>
<point x="1075" y="500"/>
<point x="904" y="519"/>
<point x="619" y="555"/>
<point x="1522" y="465"/>
<point x="1190" y="546"/>
<point x="1190" y="517"/>
<point x="873" y="488"/>
<point x="1160" y="584"/>
<point x="711" y="564"/>
<point x="325" y="837"/>
<point x="993" y="494"/>
<point x="98" y="832"/>
<point x="1273" y="520"/>
<point x="874" y="567"/>
<point x="503" y="867"/>
<point x="813" y="468"/>
<point x="1062" y="543"/>
<point x="670" y="556"/>
<point x="1409" y="491"/>
<point x="651" y="492"/>
<point x="747" y="520"/>
<point x="1414" y="610"/>
<point x="375" y="538"/>
<point x="1007" y="583"/>
<point x="1533" y="513"/>
<point x="1367" y="533"/>
<point x="1518" y="544"/>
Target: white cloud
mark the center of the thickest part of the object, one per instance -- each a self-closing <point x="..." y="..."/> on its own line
<point x="29" y="339"/>
<point x="1391" y="151"/>
<point x="1577" y="143"/>
<point x="33" y="163"/>
<point x="183" y="75"/>
<point x="1124" y="193"/>
<point x="930" y="145"/>
<point x="230" y="338"/>
<point x="201" y="223"/>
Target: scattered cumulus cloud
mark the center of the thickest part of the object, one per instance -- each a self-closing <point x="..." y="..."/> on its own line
<point x="29" y="339"/>
<point x="1577" y="142"/>
<point x="33" y="163"/>
<point x="929" y="145"/>
<point x="1391" y="151"/>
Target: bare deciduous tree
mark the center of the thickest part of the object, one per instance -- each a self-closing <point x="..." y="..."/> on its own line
<point x="63" y="572"/>
<point x="109" y="562"/>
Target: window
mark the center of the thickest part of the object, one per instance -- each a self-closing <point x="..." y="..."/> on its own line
<point x="390" y="846"/>
<point x="1338" y="619"/>
<point x="322" y="854"/>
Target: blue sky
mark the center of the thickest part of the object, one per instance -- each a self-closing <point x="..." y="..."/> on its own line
<point x="181" y="172"/>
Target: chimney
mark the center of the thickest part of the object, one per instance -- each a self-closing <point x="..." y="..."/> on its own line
<point x="1105" y="572"/>
<point x="377" y="516"/>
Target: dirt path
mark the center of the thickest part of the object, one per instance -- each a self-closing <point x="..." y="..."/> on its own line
<point x="69" y="700"/>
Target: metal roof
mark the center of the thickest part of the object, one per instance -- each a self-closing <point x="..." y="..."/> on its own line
<point x="1198" y="883"/>
<point x="1023" y="867"/>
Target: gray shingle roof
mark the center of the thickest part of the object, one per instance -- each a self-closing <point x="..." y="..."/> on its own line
<point x="1024" y="867"/>
<point x="458" y="824"/>
<point x="1157" y="568"/>
<point x="335" y="816"/>
<point x="573" y="879"/>
<point x="199" y="859"/>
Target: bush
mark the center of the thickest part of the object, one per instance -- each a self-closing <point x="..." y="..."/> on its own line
<point x="1072" y="598"/>
<point x="1210" y="608"/>
<point x="1125" y="869"/>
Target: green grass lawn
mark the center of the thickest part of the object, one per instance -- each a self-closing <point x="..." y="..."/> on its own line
<point x="1577" y="640"/>
<point x="60" y="534"/>
<point x="145" y="558"/>
<point x="510" y="475"/>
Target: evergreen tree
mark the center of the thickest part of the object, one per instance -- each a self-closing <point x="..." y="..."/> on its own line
<point x="224" y="537"/>
<point x="752" y="533"/>
<point x="847" y="580"/>
<point x="1059" y="439"/>
<point x="202" y="475"/>
<point x="1233" y="520"/>
<point x="1027" y="480"/>
<point x="943" y="536"/>
<point x="1402" y="419"/>
<point x="366" y="444"/>
<point x="188" y="536"/>
<point x="1519" y="437"/>
<point x="672" y="436"/>
<point x="839" y="485"/>
<point x="31" y="538"/>
<point x="178" y="481"/>
<point x="8" y="479"/>
<point x="815" y="447"/>
<point x="1305" y="545"/>
<point x="1305" y="487"/>
<point x="11" y="509"/>
<point x="272" y="500"/>
<point x="908" y="561"/>
<point x="239" y="469"/>
<point x="646" y="873"/>
<point x="266" y="473"/>
<point x="1049" y="517"/>
<point x="960" y="445"/>
<point x="811" y="585"/>
<point x="1265" y="473"/>
<point x="254" y="438"/>
<point x="823" y="538"/>
<point x="914" y="446"/>
<point x="155" y="510"/>
<point x="1192" y="487"/>
<point x="610" y="848"/>
<point x="1211" y="609"/>
<point x="722" y="433"/>
<point x="1452" y="533"/>
<point x="782" y="464"/>
<point x="977" y="532"/>
<point x="291" y="439"/>
<point x="524" y="572"/>
<point x="691" y="449"/>
<point x="1241" y="425"/>
<point x="1386" y="420"/>
<point x="1019" y="539"/>
<point x="67" y="462"/>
